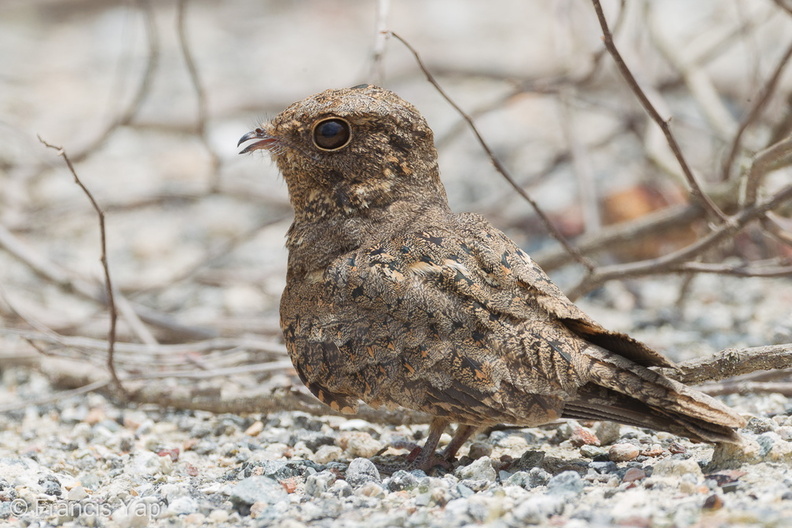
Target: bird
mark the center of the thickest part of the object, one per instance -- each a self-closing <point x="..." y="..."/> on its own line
<point x="394" y="300"/>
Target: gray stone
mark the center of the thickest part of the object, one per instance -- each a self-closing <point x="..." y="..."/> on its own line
<point x="566" y="483"/>
<point x="183" y="505"/>
<point x="537" y="477"/>
<point x="529" y="459"/>
<point x="401" y="480"/>
<point x="257" y="489"/>
<point x="480" y="469"/>
<point x="360" y="471"/>
<point x="759" y="425"/>
<point x="537" y="509"/>
<point x="604" y="467"/>
<point x="341" y="488"/>
<point x="519" y="478"/>
<point x="317" y="484"/>
<point x="464" y="491"/>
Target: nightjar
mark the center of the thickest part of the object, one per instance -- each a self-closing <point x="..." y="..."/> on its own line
<point x="393" y="299"/>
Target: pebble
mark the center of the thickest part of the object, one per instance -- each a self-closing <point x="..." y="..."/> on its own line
<point x="582" y="436"/>
<point x="341" y="488"/>
<point x="672" y="467"/>
<point x="255" y="428"/>
<point x="633" y="474"/>
<point x="401" y="480"/>
<point x="591" y="451"/>
<point x="537" y="509"/>
<point x="479" y="449"/>
<point x="774" y="448"/>
<point x="182" y="505"/>
<point x="607" y="432"/>
<point x="623" y="452"/>
<point x="566" y="483"/>
<point x="371" y="489"/>
<point x="359" y="444"/>
<point x="319" y="483"/>
<point x="218" y="516"/>
<point x="361" y="471"/>
<point x="760" y="424"/>
<point x="327" y="453"/>
<point x="528" y="460"/>
<point x="727" y="456"/>
<point x="478" y="470"/>
<point x="537" y="477"/>
<point x="604" y="466"/>
<point x="257" y="489"/>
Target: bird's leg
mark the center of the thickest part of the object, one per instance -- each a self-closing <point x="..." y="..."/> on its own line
<point x="461" y="436"/>
<point x="426" y="459"/>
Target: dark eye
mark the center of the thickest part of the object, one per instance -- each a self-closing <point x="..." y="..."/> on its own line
<point x="331" y="134"/>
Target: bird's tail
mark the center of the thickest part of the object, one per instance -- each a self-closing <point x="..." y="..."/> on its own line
<point x="621" y="391"/>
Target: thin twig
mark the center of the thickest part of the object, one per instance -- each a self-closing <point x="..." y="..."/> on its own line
<point x="144" y="86"/>
<point x="53" y="273"/>
<point x="747" y="387"/>
<point x="741" y="270"/>
<point x="619" y="235"/>
<point x="667" y="263"/>
<point x="147" y="352"/>
<point x="732" y="362"/>
<point x="111" y="335"/>
<point x="58" y="396"/>
<point x="772" y="158"/>
<point x="270" y="366"/>
<point x="782" y="5"/>
<point x="376" y="73"/>
<point x="200" y="94"/>
<point x="712" y="209"/>
<point x="759" y="103"/>
<point x="778" y="227"/>
<point x="496" y="162"/>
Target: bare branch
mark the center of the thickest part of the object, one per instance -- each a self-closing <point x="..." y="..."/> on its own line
<point x="111" y="335"/>
<point x="747" y="387"/>
<point x="667" y="263"/>
<point x="712" y="209"/>
<point x="497" y="164"/>
<point x="753" y="113"/>
<point x="144" y="86"/>
<point x="741" y="270"/>
<point x="51" y="272"/>
<point x="200" y="94"/>
<point x="376" y="72"/>
<point x="620" y="235"/>
<point x="772" y="158"/>
<point x="732" y="362"/>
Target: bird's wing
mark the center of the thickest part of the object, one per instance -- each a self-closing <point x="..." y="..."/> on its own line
<point x="450" y="321"/>
<point x="616" y="364"/>
<point x="536" y="284"/>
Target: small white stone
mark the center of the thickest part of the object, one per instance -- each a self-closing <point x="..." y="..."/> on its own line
<point x="77" y="493"/>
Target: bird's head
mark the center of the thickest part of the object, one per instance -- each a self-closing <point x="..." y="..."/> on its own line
<point x="346" y="152"/>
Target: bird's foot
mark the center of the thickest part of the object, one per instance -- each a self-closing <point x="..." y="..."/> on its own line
<point x="426" y="461"/>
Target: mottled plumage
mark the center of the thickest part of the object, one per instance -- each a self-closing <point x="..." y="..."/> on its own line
<point x="393" y="299"/>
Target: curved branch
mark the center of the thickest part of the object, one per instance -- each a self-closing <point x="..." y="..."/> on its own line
<point x="712" y="209"/>
<point x="668" y="263"/>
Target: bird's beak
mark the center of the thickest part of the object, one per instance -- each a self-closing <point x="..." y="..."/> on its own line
<point x="264" y="141"/>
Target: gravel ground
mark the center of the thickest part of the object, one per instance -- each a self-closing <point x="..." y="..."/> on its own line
<point x="89" y="463"/>
<point x="214" y="260"/>
<point x="86" y="461"/>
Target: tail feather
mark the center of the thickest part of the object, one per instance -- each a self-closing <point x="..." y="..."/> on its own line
<point x="598" y="403"/>
<point x="648" y="399"/>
